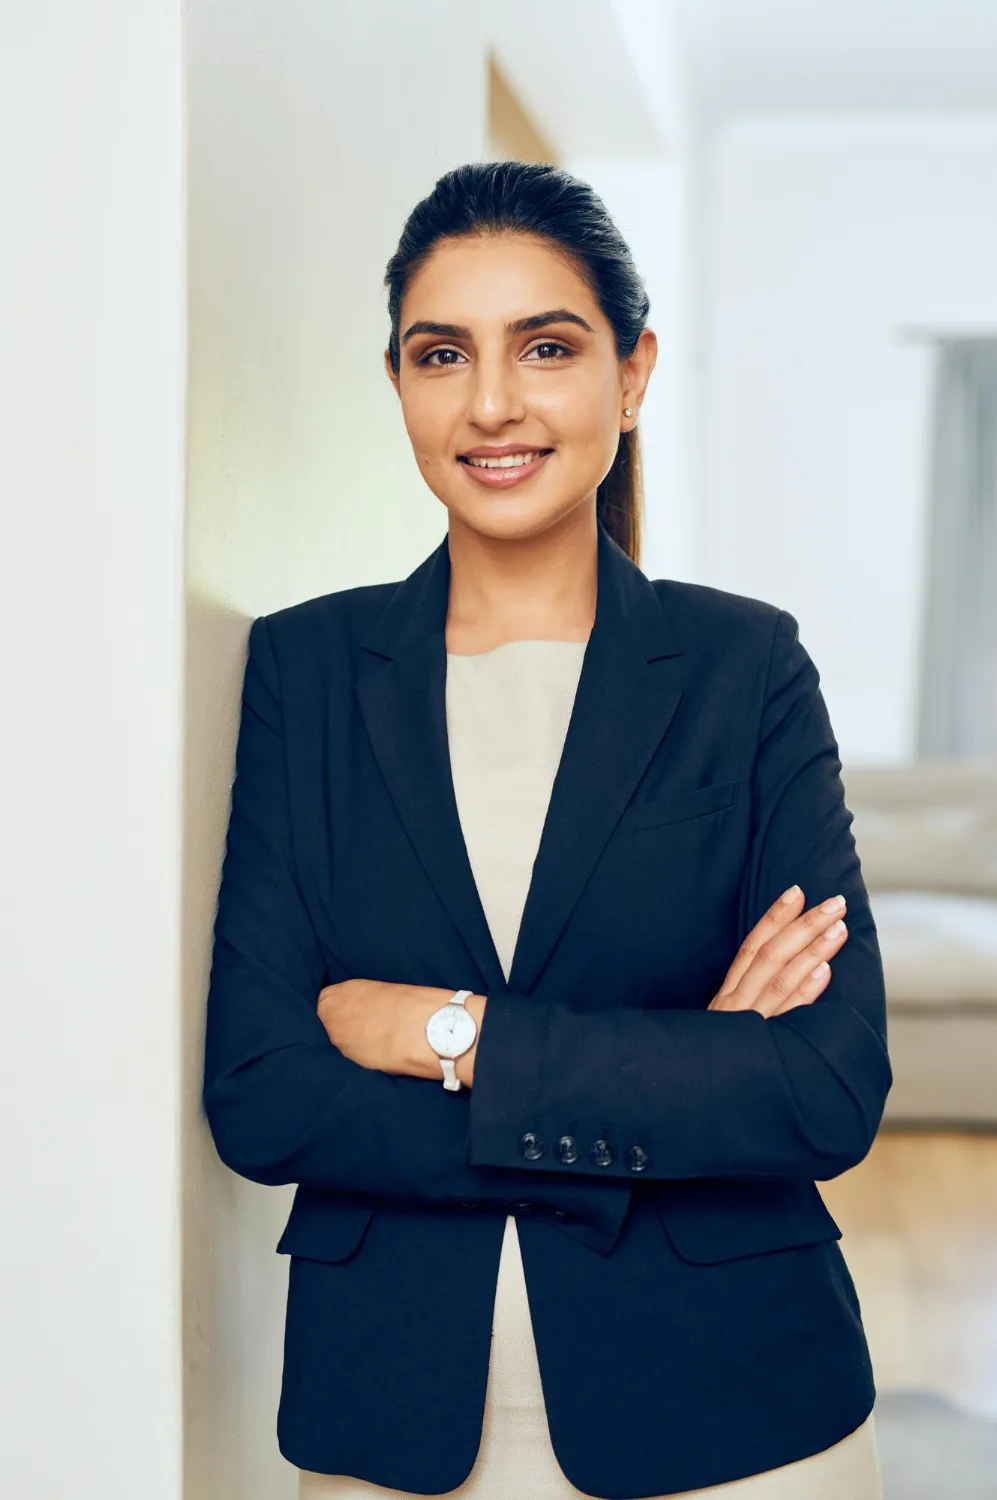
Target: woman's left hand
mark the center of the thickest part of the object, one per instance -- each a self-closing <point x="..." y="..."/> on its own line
<point x="383" y="1026"/>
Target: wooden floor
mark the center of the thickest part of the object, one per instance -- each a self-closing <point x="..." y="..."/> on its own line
<point x="919" y="1217"/>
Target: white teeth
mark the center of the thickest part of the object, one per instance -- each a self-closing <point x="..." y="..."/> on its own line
<point x="508" y="461"/>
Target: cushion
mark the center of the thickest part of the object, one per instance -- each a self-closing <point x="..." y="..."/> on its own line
<point x="944" y="1068"/>
<point x="939" y="949"/>
<point x="929" y="825"/>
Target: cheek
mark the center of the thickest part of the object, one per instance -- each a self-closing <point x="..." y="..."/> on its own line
<point x="589" y="452"/>
<point x="584" y="421"/>
<point x="427" y="425"/>
<point x="421" y="437"/>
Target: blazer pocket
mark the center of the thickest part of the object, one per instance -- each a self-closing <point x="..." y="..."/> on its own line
<point x="323" y="1226"/>
<point x="709" y="1220"/>
<point x="678" y="807"/>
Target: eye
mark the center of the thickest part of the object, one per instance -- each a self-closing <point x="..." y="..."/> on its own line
<point x="548" y="351"/>
<point x="562" y="349"/>
<point x="427" y="359"/>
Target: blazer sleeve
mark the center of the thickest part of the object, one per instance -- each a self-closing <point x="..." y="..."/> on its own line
<point x="716" y="1093"/>
<point x="283" y="1104"/>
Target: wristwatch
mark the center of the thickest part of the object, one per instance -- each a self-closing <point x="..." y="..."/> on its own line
<point x="450" y="1032"/>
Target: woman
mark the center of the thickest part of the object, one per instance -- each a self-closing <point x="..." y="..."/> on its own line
<point x="535" y="874"/>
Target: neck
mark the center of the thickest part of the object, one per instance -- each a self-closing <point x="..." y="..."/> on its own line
<point x="537" y="587"/>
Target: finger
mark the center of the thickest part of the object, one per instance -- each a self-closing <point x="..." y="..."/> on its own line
<point x="789" y="978"/>
<point x="785" y="945"/>
<point x="812" y="985"/>
<point x="778" y="916"/>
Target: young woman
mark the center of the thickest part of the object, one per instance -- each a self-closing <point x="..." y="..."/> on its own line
<point x="536" y="878"/>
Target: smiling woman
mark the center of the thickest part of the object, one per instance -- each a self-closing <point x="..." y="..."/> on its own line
<point x="515" y="973"/>
<point x="518" y="360"/>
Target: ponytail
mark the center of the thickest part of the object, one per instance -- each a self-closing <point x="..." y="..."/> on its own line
<point x="620" y="497"/>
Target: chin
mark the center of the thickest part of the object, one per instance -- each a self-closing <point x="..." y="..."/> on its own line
<point x="508" y="519"/>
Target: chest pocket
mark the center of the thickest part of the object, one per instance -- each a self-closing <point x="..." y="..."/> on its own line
<point x="709" y="1220"/>
<point x="678" y="807"/>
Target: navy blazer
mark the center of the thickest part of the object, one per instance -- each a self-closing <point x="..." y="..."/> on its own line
<point x="694" y="1317"/>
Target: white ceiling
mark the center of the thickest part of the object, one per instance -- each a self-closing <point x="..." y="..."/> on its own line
<point x="751" y="57"/>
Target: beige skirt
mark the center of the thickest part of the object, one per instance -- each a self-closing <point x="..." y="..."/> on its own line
<point x="516" y="1457"/>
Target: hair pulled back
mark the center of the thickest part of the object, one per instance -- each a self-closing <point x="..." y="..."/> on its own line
<point x="543" y="200"/>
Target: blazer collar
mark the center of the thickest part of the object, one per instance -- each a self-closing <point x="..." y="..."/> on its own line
<point x="628" y="690"/>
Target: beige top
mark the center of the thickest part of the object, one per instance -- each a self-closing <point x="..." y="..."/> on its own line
<point x="507" y="716"/>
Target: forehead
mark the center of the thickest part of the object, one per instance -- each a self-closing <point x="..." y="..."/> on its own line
<point x="495" y="278"/>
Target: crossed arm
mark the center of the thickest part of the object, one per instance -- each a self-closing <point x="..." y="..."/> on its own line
<point x="782" y="963"/>
<point x="784" y="1074"/>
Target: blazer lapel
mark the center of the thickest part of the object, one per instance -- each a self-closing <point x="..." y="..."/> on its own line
<point x="628" y="690"/>
<point x="403" y="703"/>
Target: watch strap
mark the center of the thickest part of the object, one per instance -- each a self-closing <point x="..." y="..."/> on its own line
<point x="450" y="1079"/>
<point x="449" y="1064"/>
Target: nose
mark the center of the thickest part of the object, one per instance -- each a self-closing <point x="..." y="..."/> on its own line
<point x="496" y="394"/>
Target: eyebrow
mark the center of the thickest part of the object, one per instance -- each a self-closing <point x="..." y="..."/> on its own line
<point x="520" y="325"/>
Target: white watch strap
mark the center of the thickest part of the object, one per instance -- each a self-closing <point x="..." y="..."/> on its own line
<point x="448" y="1064"/>
<point x="450" y="1079"/>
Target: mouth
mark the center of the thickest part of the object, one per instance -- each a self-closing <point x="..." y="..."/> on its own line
<point x="502" y="470"/>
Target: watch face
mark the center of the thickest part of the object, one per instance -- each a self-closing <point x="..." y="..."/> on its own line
<point x="451" y="1031"/>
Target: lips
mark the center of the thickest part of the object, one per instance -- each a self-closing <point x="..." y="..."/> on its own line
<point x="507" y="475"/>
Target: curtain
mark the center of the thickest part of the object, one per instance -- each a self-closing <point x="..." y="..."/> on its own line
<point x="957" y="712"/>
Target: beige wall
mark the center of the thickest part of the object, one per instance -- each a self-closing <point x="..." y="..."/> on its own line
<point x="512" y="135"/>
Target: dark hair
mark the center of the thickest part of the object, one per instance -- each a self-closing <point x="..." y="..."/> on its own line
<point x="539" y="199"/>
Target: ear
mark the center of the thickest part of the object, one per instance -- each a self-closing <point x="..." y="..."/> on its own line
<point x="636" y="370"/>
<point x="391" y="374"/>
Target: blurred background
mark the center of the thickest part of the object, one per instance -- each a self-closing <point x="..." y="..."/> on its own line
<point x="199" y="202"/>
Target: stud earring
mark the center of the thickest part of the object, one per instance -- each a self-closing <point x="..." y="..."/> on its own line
<point x="628" y="411"/>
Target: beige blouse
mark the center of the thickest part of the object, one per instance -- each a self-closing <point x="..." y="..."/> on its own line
<point x="507" y="716"/>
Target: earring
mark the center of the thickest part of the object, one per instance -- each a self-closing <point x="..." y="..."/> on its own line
<point x="628" y="411"/>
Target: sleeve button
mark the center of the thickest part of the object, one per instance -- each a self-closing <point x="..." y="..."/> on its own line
<point x="531" y="1146"/>
<point x="567" y="1149"/>
<point x="637" y="1159"/>
<point x="602" y="1153"/>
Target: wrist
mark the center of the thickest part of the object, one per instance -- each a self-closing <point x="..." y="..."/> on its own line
<point x="422" y="1060"/>
<point x="425" y="1061"/>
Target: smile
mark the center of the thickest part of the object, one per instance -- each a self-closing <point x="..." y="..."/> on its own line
<point x="507" y="469"/>
<point x="507" y="461"/>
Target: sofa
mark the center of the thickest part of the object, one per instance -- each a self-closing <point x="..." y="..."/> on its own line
<point x="926" y="834"/>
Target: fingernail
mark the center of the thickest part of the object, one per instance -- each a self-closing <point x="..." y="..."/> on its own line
<point x="835" y="903"/>
<point x="791" y="894"/>
<point x="820" y="971"/>
<point x="835" y="930"/>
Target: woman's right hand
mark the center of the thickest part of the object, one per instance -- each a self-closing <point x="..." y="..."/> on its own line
<point x="784" y="960"/>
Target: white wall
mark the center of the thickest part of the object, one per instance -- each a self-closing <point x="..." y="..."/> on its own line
<point x="821" y="239"/>
<point x="91" y="489"/>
